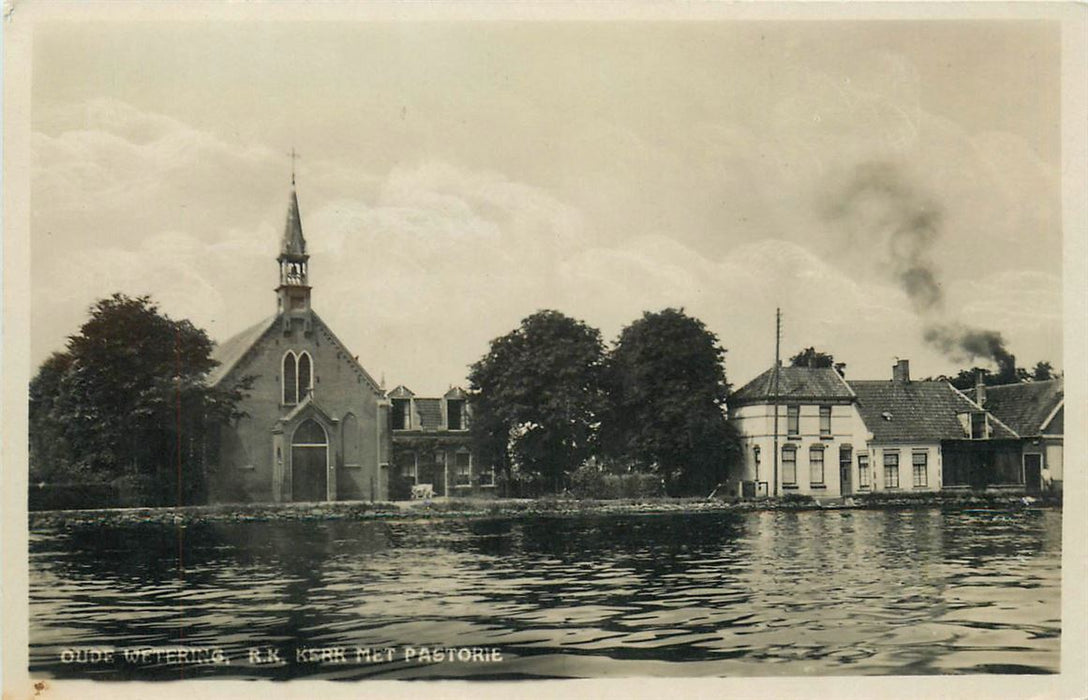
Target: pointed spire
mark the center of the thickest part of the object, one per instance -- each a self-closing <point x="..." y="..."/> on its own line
<point x="293" y="242"/>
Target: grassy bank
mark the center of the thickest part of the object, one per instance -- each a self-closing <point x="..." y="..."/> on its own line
<point x="504" y="508"/>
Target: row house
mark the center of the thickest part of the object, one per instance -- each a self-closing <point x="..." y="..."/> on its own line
<point x="837" y="438"/>
<point x="432" y="451"/>
<point x="1036" y="411"/>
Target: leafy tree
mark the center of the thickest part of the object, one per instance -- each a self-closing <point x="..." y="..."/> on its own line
<point x="811" y="357"/>
<point x="1042" y="372"/>
<point x="667" y="391"/>
<point x="536" y="397"/>
<point x="1007" y="373"/>
<point x="127" y="400"/>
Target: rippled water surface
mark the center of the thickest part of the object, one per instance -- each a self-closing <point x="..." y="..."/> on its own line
<point x="713" y="594"/>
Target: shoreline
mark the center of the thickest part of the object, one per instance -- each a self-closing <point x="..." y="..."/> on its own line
<point x="474" y="509"/>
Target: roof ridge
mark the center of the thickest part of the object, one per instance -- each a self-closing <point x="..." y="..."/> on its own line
<point x="223" y="370"/>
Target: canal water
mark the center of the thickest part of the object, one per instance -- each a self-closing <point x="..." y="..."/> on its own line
<point x="711" y="594"/>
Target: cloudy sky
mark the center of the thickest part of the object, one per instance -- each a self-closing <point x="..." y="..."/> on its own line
<point x="874" y="180"/>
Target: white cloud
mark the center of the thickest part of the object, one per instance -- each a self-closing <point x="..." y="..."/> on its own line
<point x="613" y="213"/>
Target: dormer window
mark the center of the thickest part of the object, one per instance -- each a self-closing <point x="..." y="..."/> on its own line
<point x="402" y="414"/>
<point x="978" y="425"/>
<point x="455" y="414"/>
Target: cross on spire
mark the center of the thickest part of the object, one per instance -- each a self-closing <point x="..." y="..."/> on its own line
<point x="294" y="156"/>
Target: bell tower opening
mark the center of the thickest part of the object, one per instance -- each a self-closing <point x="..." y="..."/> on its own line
<point x="293" y="292"/>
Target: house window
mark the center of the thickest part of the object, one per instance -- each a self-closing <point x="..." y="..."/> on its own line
<point x="463" y="469"/>
<point x="755" y="460"/>
<point x="402" y="414"/>
<point x="410" y="470"/>
<point x="789" y="465"/>
<point x="863" y="471"/>
<point x="487" y="477"/>
<point x="455" y="414"/>
<point x="290" y="379"/>
<point x="816" y="465"/>
<point x="920" y="463"/>
<point x="825" y="421"/>
<point x="793" y="420"/>
<point x="891" y="470"/>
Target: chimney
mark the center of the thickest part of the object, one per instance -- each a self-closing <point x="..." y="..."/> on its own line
<point x="980" y="389"/>
<point x="840" y="367"/>
<point x="901" y="372"/>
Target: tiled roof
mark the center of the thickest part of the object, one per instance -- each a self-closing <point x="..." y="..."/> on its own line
<point x="430" y="413"/>
<point x="1025" y="407"/>
<point x="233" y="349"/>
<point x="794" y="383"/>
<point x="915" y="411"/>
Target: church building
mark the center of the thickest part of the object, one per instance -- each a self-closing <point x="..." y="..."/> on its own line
<point x="316" y="424"/>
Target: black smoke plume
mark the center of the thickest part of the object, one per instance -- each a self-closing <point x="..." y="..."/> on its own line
<point x="963" y="343"/>
<point x="879" y="202"/>
<point x="884" y="205"/>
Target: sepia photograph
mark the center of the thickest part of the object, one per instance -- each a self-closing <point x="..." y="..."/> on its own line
<point x="506" y="346"/>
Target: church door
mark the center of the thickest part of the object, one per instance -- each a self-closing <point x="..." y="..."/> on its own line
<point x="310" y="463"/>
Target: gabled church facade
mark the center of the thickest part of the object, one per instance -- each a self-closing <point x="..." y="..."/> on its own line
<point x="316" y="424"/>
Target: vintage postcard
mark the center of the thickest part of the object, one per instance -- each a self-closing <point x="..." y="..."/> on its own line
<point x="544" y="349"/>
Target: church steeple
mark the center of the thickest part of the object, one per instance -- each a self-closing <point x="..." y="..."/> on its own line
<point x="293" y="293"/>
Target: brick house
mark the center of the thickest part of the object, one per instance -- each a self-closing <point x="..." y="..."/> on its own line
<point x="431" y="444"/>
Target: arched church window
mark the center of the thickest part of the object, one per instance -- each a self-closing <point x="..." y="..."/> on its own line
<point x="305" y="375"/>
<point x="290" y="379"/>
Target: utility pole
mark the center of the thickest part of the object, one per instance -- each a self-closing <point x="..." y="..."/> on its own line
<point x="774" y="390"/>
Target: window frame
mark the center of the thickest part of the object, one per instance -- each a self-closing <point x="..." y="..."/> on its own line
<point x="289" y="382"/>
<point x="914" y="463"/>
<point x="792" y="452"/>
<point x="406" y="423"/>
<point x="457" y="474"/>
<point x="410" y="472"/>
<point x="864" y="476"/>
<point x="793" y="420"/>
<point x="812" y="452"/>
<point x="891" y="469"/>
<point x="825" y="425"/>
<point x="303" y="391"/>
<point x="461" y="424"/>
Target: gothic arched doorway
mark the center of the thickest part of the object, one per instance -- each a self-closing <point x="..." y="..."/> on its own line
<point x="309" y="463"/>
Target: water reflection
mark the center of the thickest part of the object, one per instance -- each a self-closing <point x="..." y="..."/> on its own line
<point x="707" y="594"/>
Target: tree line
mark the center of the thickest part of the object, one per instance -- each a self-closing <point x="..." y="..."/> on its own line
<point x="126" y="407"/>
<point x="548" y="399"/>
